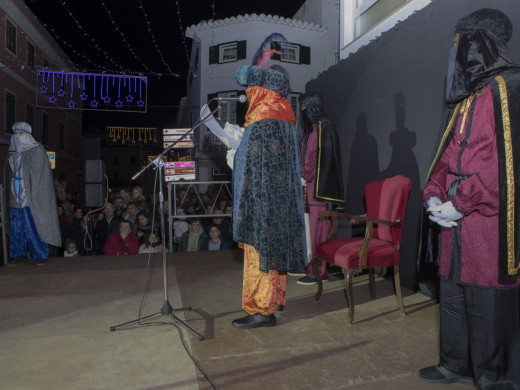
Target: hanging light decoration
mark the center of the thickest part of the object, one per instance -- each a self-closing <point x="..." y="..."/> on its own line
<point x="132" y="135"/>
<point x="91" y="91"/>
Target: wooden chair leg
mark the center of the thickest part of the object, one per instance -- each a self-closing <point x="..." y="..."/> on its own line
<point x="315" y="262"/>
<point x="371" y="284"/>
<point x="397" y="283"/>
<point x="350" y="296"/>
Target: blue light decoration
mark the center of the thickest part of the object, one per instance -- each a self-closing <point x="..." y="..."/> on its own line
<point x="91" y="91"/>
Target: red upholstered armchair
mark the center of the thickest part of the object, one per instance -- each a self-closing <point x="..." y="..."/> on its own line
<point x="385" y="202"/>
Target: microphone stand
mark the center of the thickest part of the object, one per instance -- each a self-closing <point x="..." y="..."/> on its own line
<point x="166" y="308"/>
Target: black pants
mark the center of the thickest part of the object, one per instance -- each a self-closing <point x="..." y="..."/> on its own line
<point x="479" y="329"/>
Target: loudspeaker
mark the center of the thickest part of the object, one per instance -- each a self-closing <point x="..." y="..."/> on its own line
<point x="94" y="171"/>
<point x="94" y="194"/>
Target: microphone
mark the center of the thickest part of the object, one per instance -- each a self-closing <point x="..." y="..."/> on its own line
<point x="241" y="98"/>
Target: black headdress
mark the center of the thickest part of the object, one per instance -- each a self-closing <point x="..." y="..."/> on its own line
<point x="481" y="52"/>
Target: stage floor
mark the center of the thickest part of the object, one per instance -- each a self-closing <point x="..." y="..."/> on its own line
<point x="55" y="330"/>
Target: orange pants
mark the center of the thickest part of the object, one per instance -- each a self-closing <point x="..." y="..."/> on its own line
<point x="261" y="292"/>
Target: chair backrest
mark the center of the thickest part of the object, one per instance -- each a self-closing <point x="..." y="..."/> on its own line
<point x="386" y="199"/>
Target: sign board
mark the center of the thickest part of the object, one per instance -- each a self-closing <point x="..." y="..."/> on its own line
<point x="52" y="159"/>
<point x="170" y="136"/>
<point x="179" y="177"/>
<point x="180" y="145"/>
<point x="180" y="164"/>
<point x="179" y="170"/>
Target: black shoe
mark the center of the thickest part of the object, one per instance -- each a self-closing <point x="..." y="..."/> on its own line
<point x="308" y="281"/>
<point x="439" y="374"/>
<point x="254" y="321"/>
<point x="40" y="262"/>
<point x="296" y="272"/>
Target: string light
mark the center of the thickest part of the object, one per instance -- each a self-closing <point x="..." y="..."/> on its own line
<point x="212" y="36"/>
<point x="118" y="30"/>
<point x="90" y="90"/>
<point x="182" y="32"/>
<point x="153" y="38"/>
<point x="94" y="42"/>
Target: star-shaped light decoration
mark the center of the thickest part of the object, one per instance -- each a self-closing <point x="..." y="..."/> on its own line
<point x="106" y="99"/>
<point x="61" y="92"/>
<point x="83" y="96"/>
<point x="129" y="99"/>
<point x="119" y="103"/>
<point x="52" y="99"/>
<point x="94" y="103"/>
<point x="71" y="103"/>
<point x="43" y="89"/>
<point x="140" y="103"/>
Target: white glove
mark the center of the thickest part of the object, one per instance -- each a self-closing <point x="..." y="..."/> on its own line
<point x="442" y="222"/>
<point x="230" y="157"/>
<point x="432" y="202"/>
<point x="234" y="134"/>
<point x="446" y="211"/>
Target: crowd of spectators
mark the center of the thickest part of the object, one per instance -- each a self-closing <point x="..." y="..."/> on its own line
<point x="130" y="223"/>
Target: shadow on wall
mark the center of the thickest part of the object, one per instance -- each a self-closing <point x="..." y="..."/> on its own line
<point x="364" y="168"/>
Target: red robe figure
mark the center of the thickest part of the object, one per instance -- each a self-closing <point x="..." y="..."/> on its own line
<point x="472" y="192"/>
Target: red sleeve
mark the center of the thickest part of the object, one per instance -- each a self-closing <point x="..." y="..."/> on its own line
<point x="111" y="247"/>
<point x="131" y="244"/>
<point x="436" y="185"/>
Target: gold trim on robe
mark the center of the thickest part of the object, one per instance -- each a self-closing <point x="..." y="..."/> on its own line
<point x="510" y="179"/>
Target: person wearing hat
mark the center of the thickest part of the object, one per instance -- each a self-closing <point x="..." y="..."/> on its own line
<point x="473" y="193"/>
<point x="321" y="178"/>
<point x="31" y="198"/>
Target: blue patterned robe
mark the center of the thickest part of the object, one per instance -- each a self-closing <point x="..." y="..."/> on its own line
<point x="267" y="199"/>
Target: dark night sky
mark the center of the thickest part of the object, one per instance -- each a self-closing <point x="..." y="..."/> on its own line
<point x="165" y="18"/>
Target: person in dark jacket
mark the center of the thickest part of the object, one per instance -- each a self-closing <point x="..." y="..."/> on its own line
<point x="214" y="241"/>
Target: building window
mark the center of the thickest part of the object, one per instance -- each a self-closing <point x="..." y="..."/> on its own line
<point x="292" y="52"/>
<point x="45" y="128"/>
<point x="295" y="105"/>
<point x="30" y="55"/>
<point x="45" y="63"/>
<point x="29" y="114"/>
<point x="227" y="52"/>
<point x="63" y="138"/>
<point x="10" y="111"/>
<point x="368" y="13"/>
<point x="227" y="110"/>
<point x="10" y="36"/>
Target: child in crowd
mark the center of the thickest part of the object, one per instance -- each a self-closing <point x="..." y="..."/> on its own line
<point x="70" y="249"/>
<point x="152" y="243"/>
<point x="214" y="241"/>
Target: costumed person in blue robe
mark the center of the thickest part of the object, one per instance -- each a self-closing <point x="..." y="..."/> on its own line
<point x="267" y="195"/>
<point x="473" y="193"/>
<point x="31" y="198"/>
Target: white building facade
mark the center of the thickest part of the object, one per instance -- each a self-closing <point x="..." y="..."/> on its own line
<point x="219" y="48"/>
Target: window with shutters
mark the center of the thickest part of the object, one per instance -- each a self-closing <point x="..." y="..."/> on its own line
<point x="292" y="52"/>
<point x="227" y="109"/>
<point x="227" y="52"/>
<point x="10" y="36"/>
